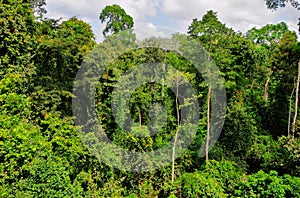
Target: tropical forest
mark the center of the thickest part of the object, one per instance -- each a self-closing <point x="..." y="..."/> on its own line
<point x="141" y="118"/>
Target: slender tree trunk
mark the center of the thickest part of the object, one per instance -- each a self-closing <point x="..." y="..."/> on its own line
<point x="208" y="115"/>
<point x="164" y="71"/>
<point x="296" y="103"/>
<point x="178" y="122"/>
<point x="266" y="94"/>
<point x="140" y="116"/>
<point x="208" y="125"/>
<point x="290" y="112"/>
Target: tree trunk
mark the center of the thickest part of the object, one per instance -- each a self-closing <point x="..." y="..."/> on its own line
<point x="266" y="94"/>
<point x="296" y="103"/>
<point x="164" y="71"/>
<point x="140" y="116"/>
<point x="290" y="112"/>
<point x="178" y="122"/>
<point x="208" y="125"/>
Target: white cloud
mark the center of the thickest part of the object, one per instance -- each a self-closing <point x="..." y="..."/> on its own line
<point x="241" y="15"/>
<point x="89" y="10"/>
<point x="176" y="14"/>
<point x="150" y="30"/>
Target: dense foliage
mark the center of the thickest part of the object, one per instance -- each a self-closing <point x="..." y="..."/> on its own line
<point x="42" y="154"/>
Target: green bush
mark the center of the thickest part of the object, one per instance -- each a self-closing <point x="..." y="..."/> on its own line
<point x="197" y="184"/>
<point x="263" y="184"/>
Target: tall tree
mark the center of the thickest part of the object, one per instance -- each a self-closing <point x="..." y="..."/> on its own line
<point x="275" y="74"/>
<point x="235" y="58"/>
<point x="17" y="42"/>
<point x="275" y="4"/>
<point x="58" y="57"/>
<point x="116" y="19"/>
<point x="208" y="25"/>
<point x="296" y="103"/>
<point x="268" y="37"/>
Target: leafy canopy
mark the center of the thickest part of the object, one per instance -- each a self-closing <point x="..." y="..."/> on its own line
<point x="116" y="19"/>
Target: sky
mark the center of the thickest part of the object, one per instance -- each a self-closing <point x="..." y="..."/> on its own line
<point x="177" y="15"/>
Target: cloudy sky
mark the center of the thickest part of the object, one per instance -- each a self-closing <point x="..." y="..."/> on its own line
<point x="241" y="15"/>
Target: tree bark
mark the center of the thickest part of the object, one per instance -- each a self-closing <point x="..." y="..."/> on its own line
<point x="164" y="71"/>
<point x="290" y="112"/>
<point x="208" y="126"/>
<point x="178" y="122"/>
<point x="296" y="103"/>
<point x="266" y="94"/>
